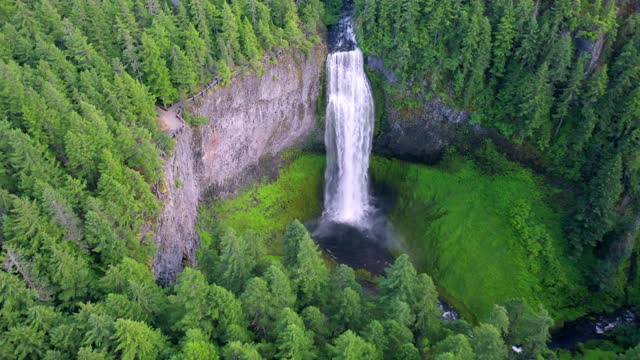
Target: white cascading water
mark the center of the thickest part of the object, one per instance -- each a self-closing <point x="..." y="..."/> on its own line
<point x="348" y="136"/>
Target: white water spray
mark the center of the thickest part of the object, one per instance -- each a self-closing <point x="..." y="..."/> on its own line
<point x="348" y="136"/>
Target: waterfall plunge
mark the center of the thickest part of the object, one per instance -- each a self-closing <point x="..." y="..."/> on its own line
<point x="348" y="136"/>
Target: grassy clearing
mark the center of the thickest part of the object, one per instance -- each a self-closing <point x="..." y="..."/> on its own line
<point x="268" y="208"/>
<point x="483" y="238"/>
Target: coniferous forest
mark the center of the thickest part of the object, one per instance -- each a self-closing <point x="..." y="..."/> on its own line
<point x="81" y="157"/>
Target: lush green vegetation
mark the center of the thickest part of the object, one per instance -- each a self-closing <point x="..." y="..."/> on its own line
<point x="296" y="308"/>
<point x="525" y="68"/>
<point x="267" y="208"/>
<point x="80" y="159"/>
<point x="486" y="231"/>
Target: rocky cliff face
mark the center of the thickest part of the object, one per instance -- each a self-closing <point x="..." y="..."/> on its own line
<point x="254" y="118"/>
<point x="423" y="133"/>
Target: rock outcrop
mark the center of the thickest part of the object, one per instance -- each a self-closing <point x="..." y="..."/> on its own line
<point x="424" y="133"/>
<point x="419" y="134"/>
<point x="254" y="118"/>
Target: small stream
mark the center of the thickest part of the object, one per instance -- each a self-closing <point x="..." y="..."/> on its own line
<point x="590" y="327"/>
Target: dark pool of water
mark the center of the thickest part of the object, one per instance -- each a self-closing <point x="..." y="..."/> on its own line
<point x="366" y="249"/>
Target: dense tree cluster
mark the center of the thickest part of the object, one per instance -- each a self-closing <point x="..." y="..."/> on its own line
<point x="257" y="308"/>
<point x="80" y="156"/>
<point x="560" y="76"/>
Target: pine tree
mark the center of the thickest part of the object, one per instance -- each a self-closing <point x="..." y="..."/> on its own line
<point x="198" y="11"/>
<point x="12" y="91"/>
<point x="458" y="345"/>
<point x="487" y="343"/>
<point x="264" y="27"/>
<point x="27" y="229"/>
<point x="316" y="322"/>
<point x="529" y="328"/>
<point x="407" y="351"/>
<point x="561" y="56"/>
<point x="475" y="51"/>
<point x="308" y="271"/>
<point x="196" y="52"/>
<point x="192" y="300"/>
<point x="23" y="342"/>
<point x="15" y="297"/>
<point x="137" y="341"/>
<point x="571" y="93"/>
<point x="119" y="306"/>
<point x="256" y="301"/>
<point x="231" y="324"/>
<point x="62" y="214"/>
<point x="97" y="327"/>
<point x="250" y="46"/>
<point x="499" y="318"/>
<point x="236" y="263"/>
<point x="427" y="309"/>
<point x="229" y="36"/>
<point x="238" y="350"/>
<point x="280" y="287"/>
<point x="156" y="72"/>
<point x="527" y="52"/>
<point x="503" y="39"/>
<point x="102" y="239"/>
<point x="535" y="108"/>
<point x="344" y="277"/>
<point x="396" y="336"/>
<point x="293" y="341"/>
<point x="374" y="333"/>
<point x="399" y="281"/>
<point x="80" y="50"/>
<point x="195" y="345"/>
<point x="347" y="309"/>
<point x="183" y="74"/>
<point x="350" y="346"/>
<point x="296" y="233"/>
<point x="224" y="73"/>
<point x="595" y="211"/>
<point x="71" y="274"/>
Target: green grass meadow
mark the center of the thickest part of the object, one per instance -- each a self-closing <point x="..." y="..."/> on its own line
<point x="458" y="225"/>
<point x="269" y="207"/>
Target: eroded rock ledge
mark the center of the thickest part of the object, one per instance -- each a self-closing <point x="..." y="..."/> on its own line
<point x="254" y="118"/>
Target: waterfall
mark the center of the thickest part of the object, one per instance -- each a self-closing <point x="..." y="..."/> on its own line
<point x="348" y="135"/>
